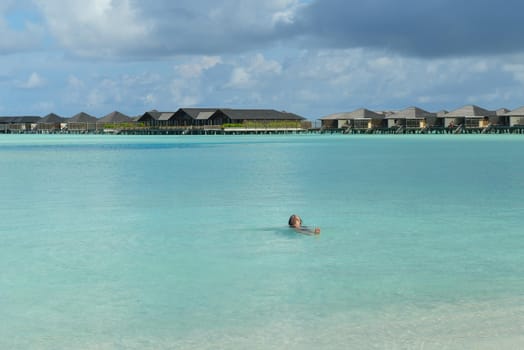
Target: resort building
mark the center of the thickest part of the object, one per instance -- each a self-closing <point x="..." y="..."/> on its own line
<point x="208" y="117"/>
<point x="193" y="116"/>
<point x="18" y="124"/>
<point x="149" y="119"/>
<point x="114" y="121"/>
<point x="255" y="118"/>
<point x="115" y="118"/>
<point x="470" y="116"/>
<point x="467" y="119"/>
<point x="501" y="117"/>
<point x="81" y="122"/>
<point x="361" y="118"/>
<point x="516" y="117"/>
<point x="412" y="117"/>
<point x="51" y="122"/>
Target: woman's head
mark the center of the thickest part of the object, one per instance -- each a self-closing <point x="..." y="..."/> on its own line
<point x="295" y="221"/>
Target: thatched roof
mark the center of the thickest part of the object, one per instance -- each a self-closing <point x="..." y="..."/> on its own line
<point x="115" y="117"/>
<point x="360" y="113"/>
<point x="470" y="111"/>
<point x="517" y="112"/>
<point x="51" y="118"/>
<point x="82" y="118"/>
<point x="412" y="113"/>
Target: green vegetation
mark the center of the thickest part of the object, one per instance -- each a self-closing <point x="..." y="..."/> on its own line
<point x="129" y="125"/>
<point x="233" y="125"/>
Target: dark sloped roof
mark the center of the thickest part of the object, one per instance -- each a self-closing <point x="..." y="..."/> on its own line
<point x="152" y="114"/>
<point x="51" y="118"/>
<point x="26" y="119"/>
<point x="82" y="117"/>
<point x="470" y="111"/>
<point x="518" y="111"/>
<point x="196" y="112"/>
<point x="361" y="113"/>
<point x="411" y="113"/>
<point x="115" y="117"/>
<point x="259" y="114"/>
<point x="19" y="119"/>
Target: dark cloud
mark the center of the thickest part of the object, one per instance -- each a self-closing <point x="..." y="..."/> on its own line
<point x="208" y="27"/>
<point x="429" y="28"/>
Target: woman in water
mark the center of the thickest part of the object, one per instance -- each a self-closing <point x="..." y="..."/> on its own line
<point x="296" y="222"/>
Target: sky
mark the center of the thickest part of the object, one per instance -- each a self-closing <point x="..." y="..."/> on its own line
<point x="309" y="57"/>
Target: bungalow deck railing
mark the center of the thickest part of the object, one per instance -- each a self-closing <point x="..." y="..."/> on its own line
<point x="130" y="127"/>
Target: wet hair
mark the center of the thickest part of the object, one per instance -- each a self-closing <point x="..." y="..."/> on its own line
<point x="292" y="218"/>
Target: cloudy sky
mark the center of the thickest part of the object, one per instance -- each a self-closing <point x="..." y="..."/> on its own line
<point x="310" y="57"/>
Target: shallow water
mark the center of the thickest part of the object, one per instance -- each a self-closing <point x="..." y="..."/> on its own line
<point x="181" y="242"/>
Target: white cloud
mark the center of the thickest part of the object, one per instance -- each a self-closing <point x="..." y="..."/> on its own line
<point x="149" y="99"/>
<point x="128" y="28"/>
<point x="12" y="41"/>
<point x="516" y="70"/>
<point x="257" y="68"/>
<point x="240" y="78"/>
<point x="287" y="15"/>
<point x="34" y="81"/>
<point x="260" y="65"/>
<point x="184" y="94"/>
<point x="45" y="106"/>
<point x="74" y="82"/>
<point x="195" y="68"/>
<point x="97" y="28"/>
<point x="96" y="98"/>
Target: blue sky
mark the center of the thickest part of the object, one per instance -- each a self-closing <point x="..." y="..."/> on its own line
<point x="312" y="58"/>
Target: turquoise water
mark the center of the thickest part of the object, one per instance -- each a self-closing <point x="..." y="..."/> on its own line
<point x="180" y="242"/>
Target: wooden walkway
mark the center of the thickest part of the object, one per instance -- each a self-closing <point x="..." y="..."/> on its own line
<point x="430" y="130"/>
<point x="4" y="129"/>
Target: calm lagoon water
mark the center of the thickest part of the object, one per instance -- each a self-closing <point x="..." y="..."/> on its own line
<point x="180" y="242"/>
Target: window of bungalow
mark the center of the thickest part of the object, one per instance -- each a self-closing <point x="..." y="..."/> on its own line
<point x="361" y="123"/>
<point x="472" y="122"/>
<point x="413" y="123"/>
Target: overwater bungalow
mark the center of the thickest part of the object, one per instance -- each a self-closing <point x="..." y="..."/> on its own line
<point x="50" y="123"/>
<point x="470" y="116"/>
<point x="115" y="117"/>
<point x="516" y="117"/>
<point x="359" y="119"/>
<point x="501" y="117"/>
<point x="335" y="121"/>
<point x="18" y="123"/>
<point x="413" y="118"/>
<point x="113" y="121"/>
<point x="81" y="122"/>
